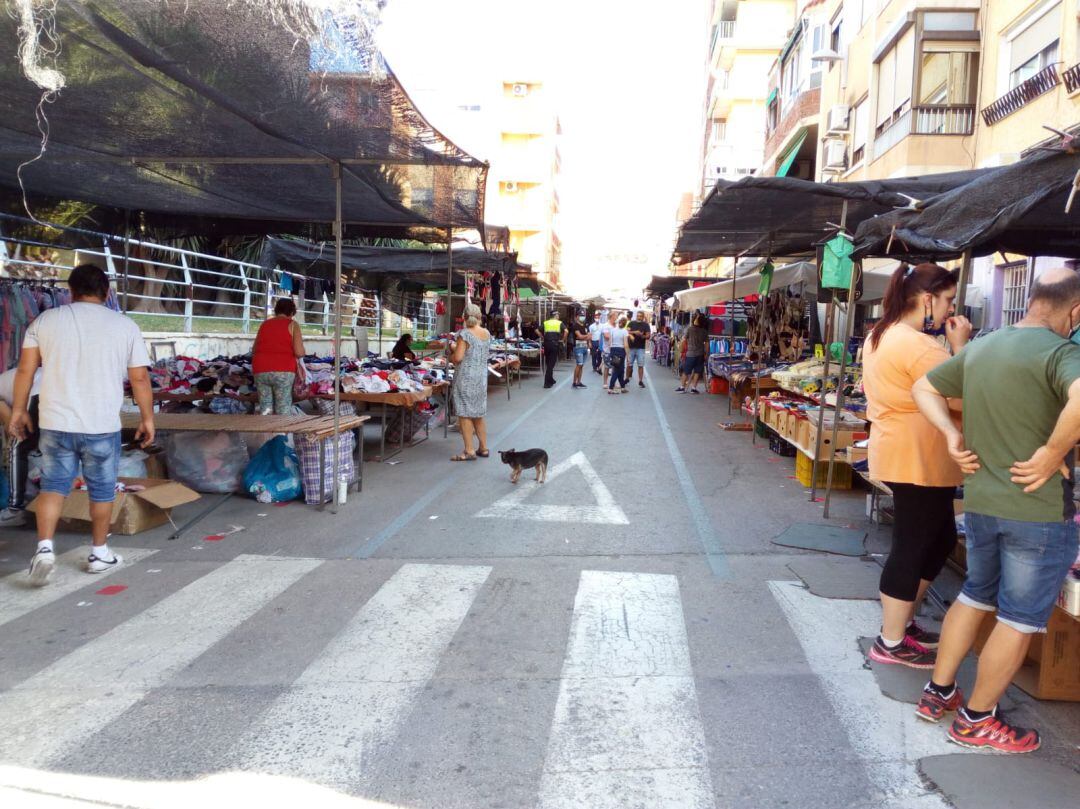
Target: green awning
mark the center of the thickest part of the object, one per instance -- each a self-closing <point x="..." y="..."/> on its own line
<point x="772" y="96"/>
<point x="525" y="294"/>
<point x="792" y="153"/>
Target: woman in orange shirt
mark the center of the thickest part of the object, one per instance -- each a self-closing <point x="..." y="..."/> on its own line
<point x="909" y="455"/>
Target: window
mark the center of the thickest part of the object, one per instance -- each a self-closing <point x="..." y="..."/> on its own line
<point x="894" y="82"/>
<point x="790" y="78"/>
<point x="817" y="43"/>
<point x="772" y="115"/>
<point x="949" y="20"/>
<point x="1014" y="292"/>
<point x="860" y="130"/>
<point x="1035" y="46"/>
<point x="836" y="38"/>
<point x="947" y="76"/>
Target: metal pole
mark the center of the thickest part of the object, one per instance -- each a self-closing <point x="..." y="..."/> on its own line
<point x="826" y="339"/>
<point x="127" y="255"/>
<point x="731" y="348"/>
<point x="849" y="324"/>
<point x="757" y="371"/>
<point x="336" y="169"/>
<point x="965" y="276"/>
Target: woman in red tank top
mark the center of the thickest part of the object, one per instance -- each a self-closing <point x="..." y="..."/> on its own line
<point x="278" y="347"/>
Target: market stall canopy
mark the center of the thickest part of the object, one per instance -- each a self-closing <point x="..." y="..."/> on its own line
<point x="663" y="286"/>
<point x="800" y="272"/>
<point x="785" y="216"/>
<point x="371" y="267"/>
<point x="201" y="110"/>
<point x="1019" y="208"/>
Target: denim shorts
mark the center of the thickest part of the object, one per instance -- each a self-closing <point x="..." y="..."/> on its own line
<point x="1017" y="568"/>
<point x="694" y="365"/>
<point x="581" y="354"/>
<point x="635" y="355"/>
<point x="62" y="453"/>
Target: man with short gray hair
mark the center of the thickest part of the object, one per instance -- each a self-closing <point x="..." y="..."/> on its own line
<point x="1020" y="388"/>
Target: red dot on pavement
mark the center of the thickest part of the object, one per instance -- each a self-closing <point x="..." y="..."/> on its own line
<point x="792" y="477"/>
<point x="280" y="505"/>
<point x="214" y="538"/>
<point x="112" y="590"/>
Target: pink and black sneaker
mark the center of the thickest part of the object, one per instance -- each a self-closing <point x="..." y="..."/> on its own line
<point x="932" y="706"/>
<point x="922" y="636"/>
<point x="909" y="653"/>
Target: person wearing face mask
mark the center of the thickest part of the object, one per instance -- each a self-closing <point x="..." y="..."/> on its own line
<point x="581" y="349"/>
<point x="909" y="455"/>
<point x="1020" y="387"/>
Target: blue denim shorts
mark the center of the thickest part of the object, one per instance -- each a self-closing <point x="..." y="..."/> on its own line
<point x="62" y="453"/>
<point x="581" y="355"/>
<point x="1017" y="568"/>
<point x="636" y="355"/>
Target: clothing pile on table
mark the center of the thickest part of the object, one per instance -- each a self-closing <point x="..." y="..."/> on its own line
<point x="232" y="376"/>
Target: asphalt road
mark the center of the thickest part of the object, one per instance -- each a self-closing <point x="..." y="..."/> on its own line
<point x="625" y="635"/>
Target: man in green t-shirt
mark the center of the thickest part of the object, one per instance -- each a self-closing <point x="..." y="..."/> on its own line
<point x="1020" y="388"/>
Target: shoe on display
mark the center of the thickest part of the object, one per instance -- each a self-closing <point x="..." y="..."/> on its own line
<point x="909" y="653"/>
<point x="94" y="564"/>
<point x="922" y="636"/>
<point x="933" y="707"/>
<point x="992" y="733"/>
<point x="12" y="518"/>
<point x="41" y="566"/>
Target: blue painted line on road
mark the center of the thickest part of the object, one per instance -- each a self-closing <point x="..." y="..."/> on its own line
<point x="714" y="552"/>
<point x="371" y="546"/>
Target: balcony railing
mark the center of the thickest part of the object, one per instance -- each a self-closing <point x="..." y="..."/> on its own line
<point x="944" y="119"/>
<point x="1023" y="94"/>
<point x="725" y="29"/>
<point x="1071" y="77"/>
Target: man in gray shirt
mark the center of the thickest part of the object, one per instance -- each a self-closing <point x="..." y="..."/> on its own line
<point x="697" y="346"/>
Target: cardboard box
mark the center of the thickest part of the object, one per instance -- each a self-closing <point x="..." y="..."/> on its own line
<point x="1052" y="668"/>
<point x="845" y="437"/>
<point x="857" y="454"/>
<point x="133" y="512"/>
<point x="801" y="434"/>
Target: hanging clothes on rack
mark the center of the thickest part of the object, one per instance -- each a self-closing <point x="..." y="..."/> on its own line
<point x="20" y="303"/>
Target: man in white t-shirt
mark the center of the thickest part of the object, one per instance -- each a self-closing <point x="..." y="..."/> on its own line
<point x="85" y="352"/>
<point x="594" y="341"/>
<point x="605" y="344"/>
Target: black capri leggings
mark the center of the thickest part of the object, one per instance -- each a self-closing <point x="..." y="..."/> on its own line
<point x="924" y="534"/>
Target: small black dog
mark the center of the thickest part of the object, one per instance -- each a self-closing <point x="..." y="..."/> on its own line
<point x="526" y="459"/>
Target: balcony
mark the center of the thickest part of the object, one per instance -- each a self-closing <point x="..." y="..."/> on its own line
<point x="1071" y="77"/>
<point x="943" y="119"/>
<point x="1023" y="94"/>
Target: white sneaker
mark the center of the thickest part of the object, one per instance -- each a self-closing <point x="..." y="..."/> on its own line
<point x="96" y="565"/>
<point x="12" y="518"/>
<point x="41" y="567"/>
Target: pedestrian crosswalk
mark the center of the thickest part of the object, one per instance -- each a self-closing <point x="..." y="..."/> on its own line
<point x="623" y="720"/>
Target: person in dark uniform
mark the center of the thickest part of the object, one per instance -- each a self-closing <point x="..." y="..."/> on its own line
<point x="555" y="334"/>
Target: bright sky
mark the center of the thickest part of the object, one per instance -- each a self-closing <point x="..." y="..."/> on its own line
<point x="628" y="81"/>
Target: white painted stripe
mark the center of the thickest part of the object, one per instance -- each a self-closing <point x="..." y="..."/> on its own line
<point x="884" y="733"/>
<point x="352" y="698"/>
<point x="627" y="730"/>
<point x="82" y="692"/>
<point x="18" y="596"/>
<point x="605" y="511"/>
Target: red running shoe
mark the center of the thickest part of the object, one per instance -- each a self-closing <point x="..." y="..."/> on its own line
<point x="932" y="707"/>
<point x="993" y="733"/>
<point x="923" y="636"/>
<point x="909" y="653"/>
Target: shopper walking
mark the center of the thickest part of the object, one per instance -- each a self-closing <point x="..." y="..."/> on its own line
<point x="1020" y="388"/>
<point x="909" y="455"/>
<point x="606" y="332"/>
<point x="468" y="393"/>
<point x="554" y="335"/>
<point x="594" y="342"/>
<point x="581" y="349"/>
<point x="620" y="347"/>
<point x="279" y="346"/>
<point x="697" y="346"/>
<point x="14" y="514"/>
<point x="639" y="338"/>
<point x="85" y="352"/>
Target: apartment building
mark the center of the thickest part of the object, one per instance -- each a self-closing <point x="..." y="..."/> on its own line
<point x="915" y="87"/>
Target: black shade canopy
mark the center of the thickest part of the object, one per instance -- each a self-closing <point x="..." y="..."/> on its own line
<point x="374" y="267"/>
<point x="1019" y="208"/>
<point x="664" y="286"/>
<point x="785" y="216"/>
<point x="203" y="109"/>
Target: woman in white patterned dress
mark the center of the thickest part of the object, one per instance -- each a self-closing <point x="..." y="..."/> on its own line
<point x="468" y="394"/>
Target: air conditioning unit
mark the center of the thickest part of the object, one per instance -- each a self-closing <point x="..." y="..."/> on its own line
<point x="835" y="155"/>
<point x="839" y="119"/>
<point x="521" y="90"/>
<point x="510" y="187"/>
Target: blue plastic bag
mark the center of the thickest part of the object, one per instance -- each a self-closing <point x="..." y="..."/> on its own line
<point x="273" y="475"/>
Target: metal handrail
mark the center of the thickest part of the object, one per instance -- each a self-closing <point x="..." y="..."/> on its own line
<point x="1071" y="77"/>
<point x="1023" y="94"/>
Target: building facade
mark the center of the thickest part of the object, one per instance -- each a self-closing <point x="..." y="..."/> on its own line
<point x="916" y="87"/>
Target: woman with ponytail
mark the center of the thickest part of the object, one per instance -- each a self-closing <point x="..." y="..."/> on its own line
<point x="908" y="454"/>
